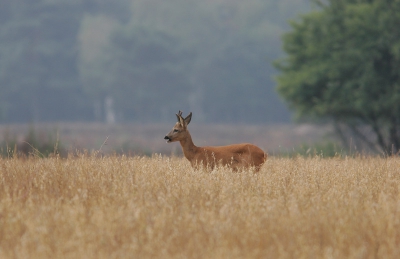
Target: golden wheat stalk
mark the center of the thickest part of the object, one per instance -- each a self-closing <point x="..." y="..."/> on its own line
<point x="159" y="207"/>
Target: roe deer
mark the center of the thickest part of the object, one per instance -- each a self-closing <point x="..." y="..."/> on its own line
<point x="236" y="156"/>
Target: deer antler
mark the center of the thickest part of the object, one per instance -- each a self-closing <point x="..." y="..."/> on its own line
<point x="179" y="116"/>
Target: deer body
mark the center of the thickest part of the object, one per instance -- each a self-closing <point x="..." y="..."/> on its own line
<point x="236" y="156"/>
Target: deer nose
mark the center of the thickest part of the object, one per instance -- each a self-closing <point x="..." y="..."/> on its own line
<point x="166" y="137"/>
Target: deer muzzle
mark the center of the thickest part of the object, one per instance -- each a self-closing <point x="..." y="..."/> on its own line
<point x="168" y="139"/>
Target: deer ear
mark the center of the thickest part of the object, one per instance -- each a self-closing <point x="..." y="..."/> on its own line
<point x="188" y="118"/>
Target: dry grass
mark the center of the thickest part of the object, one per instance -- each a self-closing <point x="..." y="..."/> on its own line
<point x="159" y="207"/>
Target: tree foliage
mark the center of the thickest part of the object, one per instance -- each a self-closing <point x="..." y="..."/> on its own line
<point x="64" y="60"/>
<point x="37" y="55"/>
<point x="147" y="72"/>
<point x="209" y="57"/>
<point x="343" y="64"/>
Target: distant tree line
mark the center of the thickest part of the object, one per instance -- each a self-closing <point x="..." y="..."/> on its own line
<point x="137" y="60"/>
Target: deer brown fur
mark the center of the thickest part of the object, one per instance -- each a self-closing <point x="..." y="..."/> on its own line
<point x="236" y="156"/>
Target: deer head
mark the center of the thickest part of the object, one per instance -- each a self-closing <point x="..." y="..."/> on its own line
<point x="179" y="131"/>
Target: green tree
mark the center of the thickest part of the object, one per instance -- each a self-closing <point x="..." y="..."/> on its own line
<point x="343" y="65"/>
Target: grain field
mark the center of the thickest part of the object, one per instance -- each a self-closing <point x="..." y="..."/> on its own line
<point x="159" y="207"/>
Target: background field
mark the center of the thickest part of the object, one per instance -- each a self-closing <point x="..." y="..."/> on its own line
<point x="159" y="207"/>
<point x="149" y="138"/>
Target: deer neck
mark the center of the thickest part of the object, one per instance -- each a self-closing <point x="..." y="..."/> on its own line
<point x="188" y="147"/>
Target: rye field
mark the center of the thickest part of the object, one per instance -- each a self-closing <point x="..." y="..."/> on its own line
<point x="86" y="206"/>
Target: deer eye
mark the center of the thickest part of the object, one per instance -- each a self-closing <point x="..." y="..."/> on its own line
<point x="175" y="130"/>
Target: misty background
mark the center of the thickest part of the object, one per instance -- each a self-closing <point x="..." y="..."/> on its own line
<point x="142" y="60"/>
